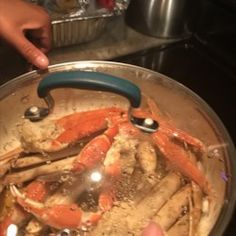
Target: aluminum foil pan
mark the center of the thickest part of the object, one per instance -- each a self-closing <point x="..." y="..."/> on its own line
<point x="75" y="22"/>
<point x="76" y="30"/>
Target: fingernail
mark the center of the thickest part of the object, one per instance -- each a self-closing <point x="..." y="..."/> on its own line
<point x="152" y="229"/>
<point x="41" y="62"/>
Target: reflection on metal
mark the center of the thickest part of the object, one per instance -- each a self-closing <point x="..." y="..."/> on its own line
<point x="12" y="230"/>
<point x="96" y="176"/>
<point x="164" y="19"/>
<point x="35" y="113"/>
<point x="94" y="180"/>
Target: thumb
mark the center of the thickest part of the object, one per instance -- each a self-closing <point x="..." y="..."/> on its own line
<point x="153" y="229"/>
<point x="31" y="52"/>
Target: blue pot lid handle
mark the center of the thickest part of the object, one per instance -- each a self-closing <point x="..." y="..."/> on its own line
<point x="92" y="81"/>
<point x="82" y="80"/>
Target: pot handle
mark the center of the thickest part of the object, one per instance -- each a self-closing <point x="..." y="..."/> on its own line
<point x="82" y="80"/>
<point x="92" y="81"/>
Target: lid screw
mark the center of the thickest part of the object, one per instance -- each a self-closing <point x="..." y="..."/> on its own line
<point x="148" y="122"/>
<point x="35" y="113"/>
<point x="145" y="124"/>
<point x="34" y="110"/>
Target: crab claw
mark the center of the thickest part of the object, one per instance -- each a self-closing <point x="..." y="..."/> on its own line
<point x="58" y="216"/>
<point x="16" y="215"/>
<point x="61" y="216"/>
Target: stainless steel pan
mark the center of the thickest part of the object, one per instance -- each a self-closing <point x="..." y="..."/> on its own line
<point x="186" y="109"/>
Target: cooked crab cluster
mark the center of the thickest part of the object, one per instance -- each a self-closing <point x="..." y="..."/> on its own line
<point x="86" y="171"/>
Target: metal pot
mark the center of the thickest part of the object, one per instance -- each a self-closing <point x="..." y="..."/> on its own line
<point x="164" y="19"/>
<point x="188" y="111"/>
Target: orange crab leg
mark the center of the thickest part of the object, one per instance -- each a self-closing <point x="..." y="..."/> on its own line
<point x="179" y="158"/>
<point x="72" y="120"/>
<point x="35" y="190"/>
<point x="62" y="216"/>
<point x="70" y="215"/>
<point x="106" y="198"/>
<point x="80" y="125"/>
<point x="175" y="153"/>
<point x="80" y="131"/>
<point x="95" y="151"/>
<point x="58" y="216"/>
<point x="172" y="131"/>
<point x="75" y="127"/>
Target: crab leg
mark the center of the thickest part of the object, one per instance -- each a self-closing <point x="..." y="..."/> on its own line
<point x="92" y="154"/>
<point x="11" y="154"/>
<point x="58" y="208"/>
<point x="35" y="190"/>
<point x="148" y="206"/>
<point x="95" y="151"/>
<point x="99" y="151"/>
<point x="179" y="158"/>
<point x="147" y="157"/>
<point x="172" y="131"/>
<point x="5" y="160"/>
<point x="30" y="161"/>
<point x="50" y="136"/>
<point x="23" y="176"/>
<point x="132" y="216"/>
<point x="58" y="216"/>
<point x="173" y="209"/>
<point x="84" y="124"/>
<point x="61" y="215"/>
<point x="174" y="152"/>
<point x="181" y="227"/>
<point x="195" y="208"/>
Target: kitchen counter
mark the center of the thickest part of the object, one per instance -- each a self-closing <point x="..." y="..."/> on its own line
<point x="107" y="47"/>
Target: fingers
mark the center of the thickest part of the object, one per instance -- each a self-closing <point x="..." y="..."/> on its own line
<point x="41" y="40"/>
<point x="152" y="229"/>
<point x="42" y="37"/>
<point x="30" y="52"/>
<point x="28" y="29"/>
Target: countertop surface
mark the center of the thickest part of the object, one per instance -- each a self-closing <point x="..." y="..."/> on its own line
<point x="106" y="47"/>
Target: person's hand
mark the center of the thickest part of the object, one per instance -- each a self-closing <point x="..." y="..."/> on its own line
<point x="26" y="27"/>
<point x="152" y="229"/>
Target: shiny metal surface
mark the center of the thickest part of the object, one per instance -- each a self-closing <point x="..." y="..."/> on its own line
<point x="77" y="30"/>
<point x="190" y="113"/>
<point x="81" y="21"/>
<point x="164" y="18"/>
